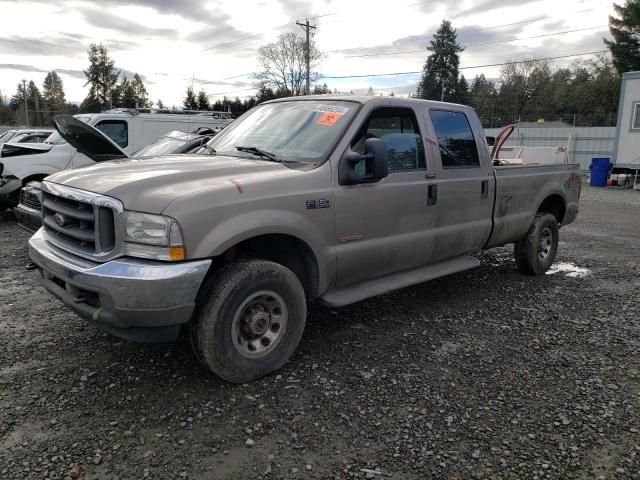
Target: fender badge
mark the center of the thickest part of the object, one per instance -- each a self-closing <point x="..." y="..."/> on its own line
<point x="315" y="204"/>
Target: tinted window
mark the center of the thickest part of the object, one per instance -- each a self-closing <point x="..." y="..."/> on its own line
<point x="455" y="137"/>
<point x="398" y="130"/>
<point x="116" y="130"/>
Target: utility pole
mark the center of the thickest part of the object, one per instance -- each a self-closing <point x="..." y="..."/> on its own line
<point x="307" y="28"/>
<point x="26" y="107"/>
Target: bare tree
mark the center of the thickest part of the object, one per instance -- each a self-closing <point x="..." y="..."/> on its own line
<point x="523" y="85"/>
<point x="283" y="64"/>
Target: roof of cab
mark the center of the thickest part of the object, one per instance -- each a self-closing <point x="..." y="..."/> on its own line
<point x="362" y="99"/>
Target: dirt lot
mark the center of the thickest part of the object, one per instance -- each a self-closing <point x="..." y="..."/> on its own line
<point x="486" y="374"/>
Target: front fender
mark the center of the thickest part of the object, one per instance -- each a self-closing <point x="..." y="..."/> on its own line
<point x="254" y="223"/>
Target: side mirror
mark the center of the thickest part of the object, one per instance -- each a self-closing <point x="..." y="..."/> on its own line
<point x="371" y="167"/>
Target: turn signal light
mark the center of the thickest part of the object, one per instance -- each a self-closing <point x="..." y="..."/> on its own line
<point x="176" y="253"/>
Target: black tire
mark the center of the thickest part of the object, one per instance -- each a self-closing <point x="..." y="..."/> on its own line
<point x="226" y="326"/>
<point x="531" y="255"/>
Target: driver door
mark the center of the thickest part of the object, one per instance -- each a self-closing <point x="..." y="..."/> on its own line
<point x="387" y="226"/>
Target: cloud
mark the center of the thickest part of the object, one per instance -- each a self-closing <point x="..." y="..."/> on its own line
<point x="99" y="17"/>
<point x="485" y="6"/>
<point x="63" y="45"/>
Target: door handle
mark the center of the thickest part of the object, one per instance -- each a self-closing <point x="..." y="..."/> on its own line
<point x="432" y="195"/>
<point x="484" y="191"/>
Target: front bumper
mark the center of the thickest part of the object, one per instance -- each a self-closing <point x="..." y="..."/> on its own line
<point x="28" y="218"/>
<point x="140" y="300"/>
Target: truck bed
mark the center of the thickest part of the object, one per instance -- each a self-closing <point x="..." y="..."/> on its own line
<point x="521" y="190"/>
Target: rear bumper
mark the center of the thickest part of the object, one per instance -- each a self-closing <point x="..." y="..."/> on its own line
<point x="140" y="300"/>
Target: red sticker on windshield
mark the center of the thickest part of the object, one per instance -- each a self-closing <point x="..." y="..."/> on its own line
<point x="328" y="119"/>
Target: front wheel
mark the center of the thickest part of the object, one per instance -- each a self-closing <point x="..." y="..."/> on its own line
<point x="251" y="320"/>
<point x="536" y="251"/>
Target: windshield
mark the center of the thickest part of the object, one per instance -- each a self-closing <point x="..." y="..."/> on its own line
<point x="164" y="146"/>
<point x="302" y="130"/>
<point x="55" y="139"/>
<point x="6" y="136"/>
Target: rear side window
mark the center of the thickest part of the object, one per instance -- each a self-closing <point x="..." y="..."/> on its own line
<point x="457" y="145"/>
<point x="116" y="130"/>
<point x="398" y="130"/>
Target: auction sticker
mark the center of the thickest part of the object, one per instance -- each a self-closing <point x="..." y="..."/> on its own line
<point x="328" y="119"/>
<point x="340" y="110"/>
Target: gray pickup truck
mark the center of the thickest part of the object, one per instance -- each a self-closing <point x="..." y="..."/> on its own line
<point x="334" y="198"/>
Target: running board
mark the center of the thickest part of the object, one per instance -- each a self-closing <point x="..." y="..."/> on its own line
<point x="370" y="288"/>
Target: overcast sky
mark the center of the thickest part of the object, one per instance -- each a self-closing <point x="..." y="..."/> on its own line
<point x="214" y="43"/>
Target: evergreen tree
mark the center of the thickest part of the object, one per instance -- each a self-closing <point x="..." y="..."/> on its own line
<point x="440" y="73"/>
<point x="321" y="90"/>
<point x="160" y="104"/>
<point x="101" y="75"/>
<point x="462" y="91"/>
<point x="625" y="30"/>
<point x="140" y="95"/>
<point x="482" y="97"/>
<point x="54" y="98"/>
<point x="203" y="100"/>
<point x="190" y="101"/>
<point x="124" y="95"/>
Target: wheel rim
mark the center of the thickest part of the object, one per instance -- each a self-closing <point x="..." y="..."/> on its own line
<point x="259" y="324"/>
<point x="545" y="244"/>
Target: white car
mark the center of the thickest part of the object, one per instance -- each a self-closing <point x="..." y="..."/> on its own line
<point x="25" y="135"/>
<point x="129" y="129"/>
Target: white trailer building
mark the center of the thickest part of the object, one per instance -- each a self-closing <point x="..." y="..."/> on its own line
<point x="626" y="153"/>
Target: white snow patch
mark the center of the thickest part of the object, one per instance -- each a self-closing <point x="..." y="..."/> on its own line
<point x="569" y="270"/>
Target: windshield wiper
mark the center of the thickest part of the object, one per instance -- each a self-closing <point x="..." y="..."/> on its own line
<point x="264" y="154"/>
<point x="212" y="150"/>
<point x="260" y="153"/>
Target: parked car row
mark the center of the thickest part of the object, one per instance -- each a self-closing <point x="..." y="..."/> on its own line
<point x="129" y="130"/>
<point x="334" y="198"/>
<point x="29" y="209"/>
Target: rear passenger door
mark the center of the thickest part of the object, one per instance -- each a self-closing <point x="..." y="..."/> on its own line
<point x="465" y="184"/>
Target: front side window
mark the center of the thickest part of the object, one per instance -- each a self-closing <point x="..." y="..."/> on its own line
<point x="398" y="129"/>
<point x="457" y="145"/>
<point x="116" y="130"/>
<point x="300" y="130"/>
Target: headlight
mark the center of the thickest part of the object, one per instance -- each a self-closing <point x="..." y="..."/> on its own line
<point x="153" y="236"/>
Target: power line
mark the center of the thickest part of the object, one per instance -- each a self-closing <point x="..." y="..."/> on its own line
<point x="462" y="68"/>
<point x="231" y="91"/>
<point x="493" y="27"/>
<point x="257" y="36"/>
<point x="406" y="52"/>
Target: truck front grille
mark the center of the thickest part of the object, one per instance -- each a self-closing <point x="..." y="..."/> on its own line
<point x="30" y="200"/>
<point x="78" y="226"/>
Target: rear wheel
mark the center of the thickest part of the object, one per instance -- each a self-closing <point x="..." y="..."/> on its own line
<point x="251" y="320"/>
<point x="536" y="251"/>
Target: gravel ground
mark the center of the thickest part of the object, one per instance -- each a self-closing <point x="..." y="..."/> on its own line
<point x="485" y="374"/>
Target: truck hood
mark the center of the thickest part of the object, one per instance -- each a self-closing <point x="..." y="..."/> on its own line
<point x="86" y="139"/>
<point x="150" y="184"/>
